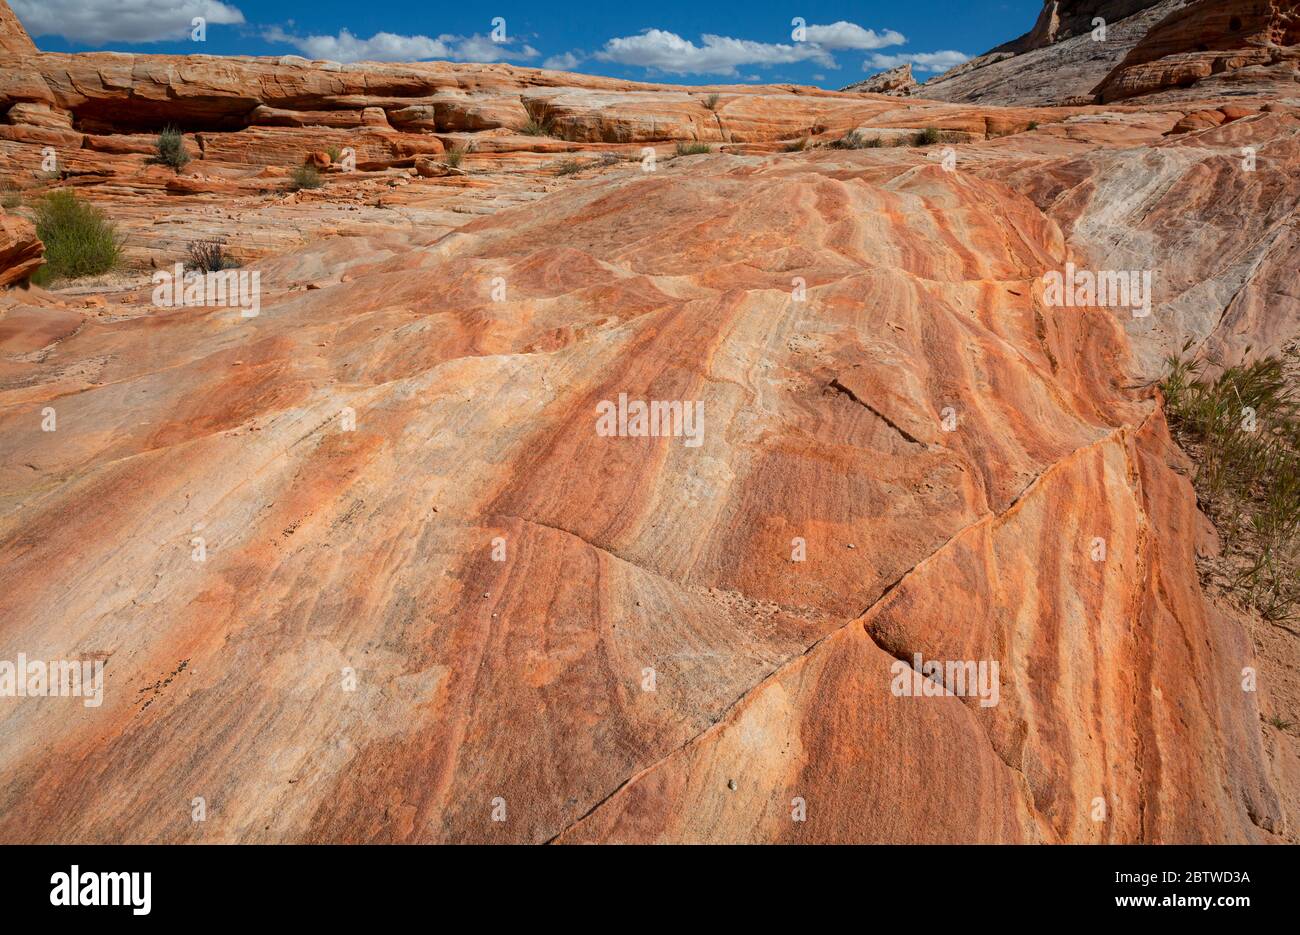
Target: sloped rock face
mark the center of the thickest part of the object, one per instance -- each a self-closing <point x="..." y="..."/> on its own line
<point x="1181" y="48"/>
<point x="13" y="37"/>
<point x="1023" y="770"/>
<point x="1065" y="19"/>
<point x="1058" y="61"/>
<point x="1209" y="37"/>
<point x="623" y="558"/>
<point x="1213" y="213"/>
<point x="20" y="250"/>
<point x="374" y="564"/>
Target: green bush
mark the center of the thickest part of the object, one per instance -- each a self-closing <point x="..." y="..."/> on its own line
<point x="1242" y="431"/>
<point x="304" y="176"/>
<point x="539" y="124"/>
<point x="927" y="137"/>
<point x="10" y="197"/>
<point x="693" y="149"/>
<point x="453" y="156"/>
<point x="171" y="148"/>
<point x="79" y="239"/>
<point x="711" y="102"/>
<point x="855" y="140"/>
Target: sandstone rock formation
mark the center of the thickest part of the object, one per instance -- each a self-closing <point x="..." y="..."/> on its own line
<point x="897" y="81"/>
<point x="1209" y="38"/>
<point x="363" y="566"/>
<point x="13" y="37"/>
<point x="20" y="250"/>
<point x="1184" y="47"/>
<point x="1059" y="60"/>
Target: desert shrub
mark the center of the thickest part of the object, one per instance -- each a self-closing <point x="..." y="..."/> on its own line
<point x="79" y="239"/>
<point x="569" y="166"/>
<point x="304" y="176"/>
<point x="1242" y="431"/>
<point x="335" y="154"/>
<point x="711" y="102"/>
<point x="539" y="124"/>
<point x="797" y="146"/>
<point x="610" y="159"/>
<point x="456" y="154"/>
<point x="170" y="147"/>
<point x="855" y="140"/>
<point x="1033" y="125"/>
<point x="10" y="197"/>
<point x="693" y="149"/>
<point x="927" y="137"/>
<point x="209" y="256"/>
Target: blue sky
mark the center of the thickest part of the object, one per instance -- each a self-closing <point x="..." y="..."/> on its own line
<point x="725" y="41"/>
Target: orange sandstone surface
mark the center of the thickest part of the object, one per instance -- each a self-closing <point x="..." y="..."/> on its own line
<point x="432" y="593"/>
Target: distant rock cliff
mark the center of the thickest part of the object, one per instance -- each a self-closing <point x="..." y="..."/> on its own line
<point x="897" y="81"/>
<point x="1166" y="46"/>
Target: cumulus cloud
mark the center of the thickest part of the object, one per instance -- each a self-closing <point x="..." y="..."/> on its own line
<point x="842" y="35"/>
<point x="391" y="47"/>
<point x="665" y="51"/>
<point x="921" y="61"/>
<point x="565" y="61"/>
<point x="97" y="22"/>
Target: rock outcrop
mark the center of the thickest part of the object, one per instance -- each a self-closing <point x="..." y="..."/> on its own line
<point x="1066" y="19"/>
<point x="1186" y="48"/>
<point x="898" y="82"/>
<point x="1210" y="38"/>
<point x="20" y="250"/>
<point x="13" y="37"/>
<point x="1061" y="60"/>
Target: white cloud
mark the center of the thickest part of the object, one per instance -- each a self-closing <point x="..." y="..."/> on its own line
<point x="719" y="55"/>
<point x="565" y="61"/>
<point x="390" y="47"/>
<point x="921" y="61"/>
<point x="96" y="22"/>
<point x="842" y="35"/>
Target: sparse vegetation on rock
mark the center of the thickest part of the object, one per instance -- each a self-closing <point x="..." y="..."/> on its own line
<point x="540" y="123"/>
<point x="855" y="139"/>
<point x="209" y="256"/>
<point x="1242" y="429"/>
<point x="79" y="239"/>
<point x="454" y="156"/>
<point x="305" y="177"/>
<point x="171" y="148"/>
